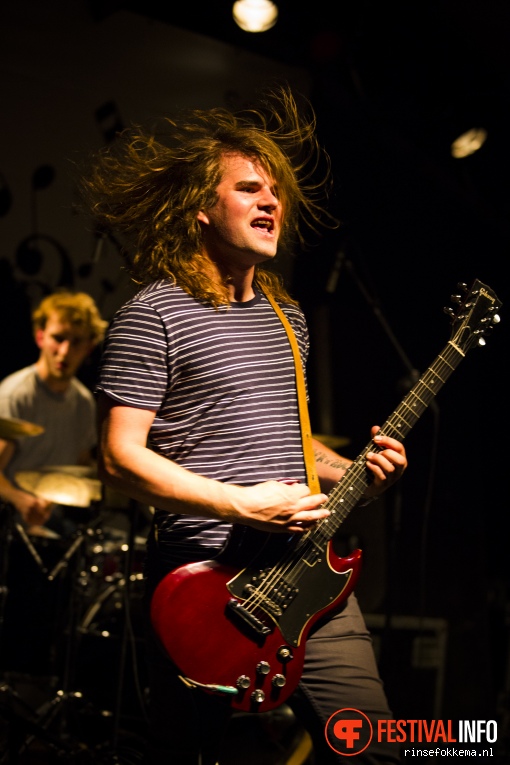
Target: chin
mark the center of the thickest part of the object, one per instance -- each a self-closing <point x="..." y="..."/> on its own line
<point x="267" y="256"/>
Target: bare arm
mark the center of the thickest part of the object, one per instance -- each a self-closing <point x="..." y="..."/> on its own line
<point x="386" y="466"/>
<point x="126" y="464"/>
<point x="33" y="510"/>
<point x="330" y="466"/>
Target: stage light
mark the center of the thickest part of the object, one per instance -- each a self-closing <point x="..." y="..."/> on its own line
<point x="255" y="15"/>
<point x="468" y="142"/>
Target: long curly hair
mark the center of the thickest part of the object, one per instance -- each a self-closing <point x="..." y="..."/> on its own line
<point x="151" y="185"/>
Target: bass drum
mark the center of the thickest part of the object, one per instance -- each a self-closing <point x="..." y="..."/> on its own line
<point x="111" y="651"/>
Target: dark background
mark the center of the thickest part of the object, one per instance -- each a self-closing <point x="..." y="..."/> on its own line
<point x="392" y="85"/>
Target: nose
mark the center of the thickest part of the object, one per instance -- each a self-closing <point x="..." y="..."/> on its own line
<point x="268" y="200"/>
<point x="64" y="347"/>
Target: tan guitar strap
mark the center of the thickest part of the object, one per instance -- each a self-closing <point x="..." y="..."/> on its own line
<point x="306" y="433"/>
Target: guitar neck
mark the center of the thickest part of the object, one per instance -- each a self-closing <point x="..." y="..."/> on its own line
<point x="347" y="493"/>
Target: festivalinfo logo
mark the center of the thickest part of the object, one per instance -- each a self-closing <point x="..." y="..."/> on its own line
<point x="349" y="732"/>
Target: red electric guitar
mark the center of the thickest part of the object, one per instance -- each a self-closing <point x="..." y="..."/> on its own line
<point x="241" y="632"/>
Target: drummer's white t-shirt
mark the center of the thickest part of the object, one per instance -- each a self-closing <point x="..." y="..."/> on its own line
<point x="68" y="420"/>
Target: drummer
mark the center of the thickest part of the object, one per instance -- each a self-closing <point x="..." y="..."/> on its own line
<point x="67" y="326"/>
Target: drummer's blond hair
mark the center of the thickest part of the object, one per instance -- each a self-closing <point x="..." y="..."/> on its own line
<point x="78" y="308"/>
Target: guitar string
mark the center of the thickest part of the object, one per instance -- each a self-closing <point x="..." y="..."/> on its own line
<point x="424" y="386"/>
<point x="357" y="471"/>
<point x="427" y="385"/>
<point x="262" y="593"/>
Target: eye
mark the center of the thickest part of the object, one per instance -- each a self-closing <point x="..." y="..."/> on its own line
<point x="249" y="188"/>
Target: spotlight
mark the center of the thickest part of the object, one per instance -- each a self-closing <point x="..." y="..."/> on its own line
<point x="468" y="142"/>
<point x="255" y="15"/>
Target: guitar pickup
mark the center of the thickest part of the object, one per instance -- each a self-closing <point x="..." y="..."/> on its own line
<point x="275" y="598"/>
<point x="253" y="621"/>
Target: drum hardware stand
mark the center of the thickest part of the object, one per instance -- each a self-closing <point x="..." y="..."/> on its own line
<point x="342" y="262"/>
<point x="29" y="724"/>
<point x="24" y="719"/>
<point x="26" y="727"/>
<point x="126" y="626"/>
<point x="49" y="710"/>
<point x="30" y="547"/>
<point x="5" y="524"/>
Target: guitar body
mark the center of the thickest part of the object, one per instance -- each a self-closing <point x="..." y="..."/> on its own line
<point x="256" y="663"/>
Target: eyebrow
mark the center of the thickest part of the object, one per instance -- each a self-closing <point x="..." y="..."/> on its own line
<point x="254" y="185"/>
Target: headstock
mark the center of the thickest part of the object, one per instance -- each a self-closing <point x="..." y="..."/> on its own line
<point x="476" y="315"/>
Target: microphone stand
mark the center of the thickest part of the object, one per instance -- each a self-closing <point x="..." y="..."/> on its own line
<point x="413" y="375"/>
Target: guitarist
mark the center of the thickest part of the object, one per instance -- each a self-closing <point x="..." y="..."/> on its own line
<point x="197" y="405"/>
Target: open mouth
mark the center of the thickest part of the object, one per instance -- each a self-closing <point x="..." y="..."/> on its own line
<point x="263" y="224"/>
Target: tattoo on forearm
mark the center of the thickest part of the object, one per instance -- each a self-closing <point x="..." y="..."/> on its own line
<point x="335" y="462"/>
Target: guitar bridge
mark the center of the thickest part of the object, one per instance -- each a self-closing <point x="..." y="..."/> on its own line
<point x="275" y="598"/>
<point x="253" y="621"/>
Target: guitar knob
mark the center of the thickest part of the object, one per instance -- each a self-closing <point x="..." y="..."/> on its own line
<point x="243" y="682"/>
<point x="258" y="696"/>
<point x="278" y="681"/>
<point x="263" y="668"/>
<point x="284" y="653"/>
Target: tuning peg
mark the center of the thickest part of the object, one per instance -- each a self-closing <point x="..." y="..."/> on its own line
<point x="449" y="311"/>
<point x="456" y="299"/>
<point x="462" y="286"/>
<point x="491" y="320"/>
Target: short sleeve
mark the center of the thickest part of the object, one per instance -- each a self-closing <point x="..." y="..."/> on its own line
<point x="134" y="365"/>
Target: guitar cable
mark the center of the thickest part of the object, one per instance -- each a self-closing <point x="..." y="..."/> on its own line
<point x="209" y="686"/>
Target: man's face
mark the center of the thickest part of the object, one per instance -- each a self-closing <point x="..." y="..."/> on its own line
<point x="63" y="348"/>
<point x="243" y="226"/>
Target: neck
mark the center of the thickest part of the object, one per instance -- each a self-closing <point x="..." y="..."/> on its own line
<point x="54" y="384"/>
<point x="241" y="293"/>
<point x="239" y="280"/>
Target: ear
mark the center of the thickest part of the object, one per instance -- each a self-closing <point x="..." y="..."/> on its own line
<point x="202" y="217"/>
<point x="38" y="337"/>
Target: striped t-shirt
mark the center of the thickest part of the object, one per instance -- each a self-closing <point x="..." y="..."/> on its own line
<point x="222" y="385"/>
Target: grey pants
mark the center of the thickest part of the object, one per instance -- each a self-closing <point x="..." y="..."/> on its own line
<point x="188" y="727"/>
<point x="340" y="673"/>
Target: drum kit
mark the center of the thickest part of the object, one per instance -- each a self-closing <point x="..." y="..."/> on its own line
<point x="70" y="613"/>
<point x="73" y="682"/>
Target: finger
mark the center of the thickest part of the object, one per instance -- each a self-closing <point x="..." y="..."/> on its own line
<point x="387" y="442"/>
<point x="387" y="457"/>
<point x="306" y="518"/>
<point x="300" y="527"/>
<point x="312" y="506"/>
<point x="381" y="468"/>
<point x="300" y="489"/>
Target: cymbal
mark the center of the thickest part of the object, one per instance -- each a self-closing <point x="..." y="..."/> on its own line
<point x="61" y="488"/>
<point x="13" y="428"/>
<point x="80" y="471"/>
<point x="333" y="442"/>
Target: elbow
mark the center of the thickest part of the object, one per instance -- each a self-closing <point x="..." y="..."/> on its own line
<point x="108" y="469"/>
